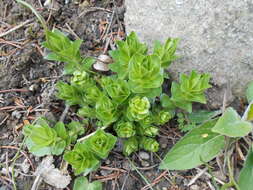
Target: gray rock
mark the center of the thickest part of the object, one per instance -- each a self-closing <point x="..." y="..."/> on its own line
<point x="145" y="163"/>
<point x="216" y="36"/>
<point x="16" y="114"/>
<point x="144" y="155"/>
<point x="194" y="187"/>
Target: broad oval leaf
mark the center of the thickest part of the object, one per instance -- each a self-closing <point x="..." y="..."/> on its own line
<point x="246" y="175"/>
<point x="231" y="124"/>
<point x="82" y="183"/>
<point x="198" y="146"/>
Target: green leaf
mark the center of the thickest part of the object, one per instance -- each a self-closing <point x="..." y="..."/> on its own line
<point x="231" y="124"/>
<point x="190" y="89"/>
<point x="43" y="135"/>
<point x="75" y="129"/>
<point x="200" y="144"/>
<point x="64" y="50"/>
<point x="61" y="130"/>
<point x="71" y="94"/>
<point x="148" y="144"/>
<point x="246" y="175"/>
<point x="249" y="92"/>
<point x="138" y="108"/>
<point x="147" y="130"/>
<point x="145" y="73"/>
<point x="37" y="150"/>
<point x="81" y="159"/>
<point x="125" y="51"/>
<point x="87" y="111"/>
<point x="166" y="102"/>
<point x="101" y="143"/>
<point x="58" y="148"/>
<point x="166" y="52"/>
<point x="124" y="129"/>
<point x="201" y="116"/>
<point x="116" y="88"/>
<point x="82" y="183"/>
<point x="130" y="145"/>
<point x="106" y="110"/>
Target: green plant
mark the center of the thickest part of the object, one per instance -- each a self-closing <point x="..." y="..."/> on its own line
<point x="206" y="141"/>
<point x="82" y="182"/>
<point x="129" y="103"/>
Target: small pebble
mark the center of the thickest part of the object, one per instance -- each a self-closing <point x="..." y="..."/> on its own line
<point x="16" y="114"/>
<point x="105" y="172"/>
<point x="144" y="155"/>
<point x="107" y="162"/>
<point x="145" y="163"/>
<point x="25" y="166"/>
<point x="126" y="165"/>
<point x="194" y="187"/>
<point x="33" y="87"/>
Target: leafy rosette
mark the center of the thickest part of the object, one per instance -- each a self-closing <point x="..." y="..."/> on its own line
<point x="146" y="75"/>
<point x="147" y="130"/>
<point x="106" y="110"/>
<point x="130" y="145"/>
<point x="124" y="129"/>
<point x="93" y="94"/>
<point x="125" y="51"/>
<point x="71" y="94"/>
<point x="162" y="117"/>
<point x="101" y="143"/>
<point x="149" y="144"/>
<point x="147" y="120"/>
<point x="116" y="88"/>
<point x="81" y="79"/>
<point x="81" y="159"/>
<point x="43" y="140"/>
<point x="166" y="51"/>
<point x="138" y="108"/>
<point x="64" y="50"/>
<point x="190" y="89"/>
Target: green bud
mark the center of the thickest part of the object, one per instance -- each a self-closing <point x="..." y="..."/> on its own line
<point x="147" y="130"/>
<point x="101" y="143"/>
<point x="130" y="146"/>
<point x="138" y="108"/>
<point x="124" y="129"/>
<point x="80" y="158"/>
<point x="149" y="144"/>
<point x="147" y="120"/>
<point x="80" y="78"/>
<point x="163" y="117"/>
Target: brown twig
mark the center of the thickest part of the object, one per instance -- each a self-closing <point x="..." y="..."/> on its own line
<point x="14" y="90"/>
<point x="22" y="152"/>
<point x="15" y="28"/>
<point x="156" y="180"/>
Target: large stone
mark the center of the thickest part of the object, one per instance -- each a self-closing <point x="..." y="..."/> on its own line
<point x="216" y="36"/>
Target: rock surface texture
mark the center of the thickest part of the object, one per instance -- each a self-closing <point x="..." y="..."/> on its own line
<point x="216" y="36"/>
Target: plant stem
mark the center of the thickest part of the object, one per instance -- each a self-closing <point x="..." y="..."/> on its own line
<point x="12" y="165"/>
<point x="40" y="18"/>
<point x="142" y="176"/>
<point x="87" y="136"/>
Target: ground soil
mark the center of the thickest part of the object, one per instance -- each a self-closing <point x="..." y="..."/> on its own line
<point x="29" y="80"/>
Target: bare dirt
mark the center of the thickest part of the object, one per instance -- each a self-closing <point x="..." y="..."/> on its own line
<point x="27" y="91"/>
